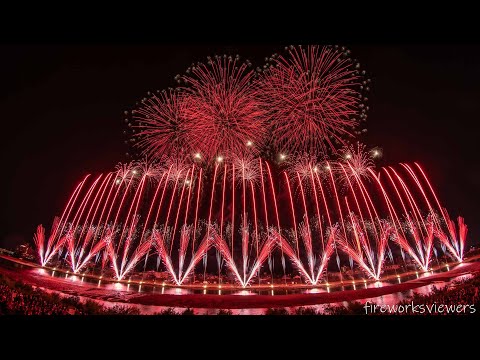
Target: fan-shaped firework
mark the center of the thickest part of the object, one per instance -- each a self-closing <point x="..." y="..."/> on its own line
<point x="454" y="243"/>
<point x="417" y="246"/>
<point x="159" y="125"/>
<point x="178" y="206"/>
<point x="314" y="98"/>
<point x="222" y="109"/>
<point x="244" y="215"/>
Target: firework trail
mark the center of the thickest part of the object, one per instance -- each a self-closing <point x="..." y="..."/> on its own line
<point x="197" y="256"/>
<point x="53" y="246"/>
<point x="264" y="251"/>
<point x="313" y="98"/>
<point x="300" y="109"/>
<point x="223" y="115"/>
<point x="184" y="238"/>
<point x="39" y="240"/>
<point x="368" y="256"/>
<point x="158" y="241"/>
<point x="227" y="255"/>
<point x="128" y="261"/>
<point x="314" y="272"/>
<point x="79" y="258"/>
<point x="454" y="242"/>
<point x="101" y="217"/>
<point x="420" y="249"/>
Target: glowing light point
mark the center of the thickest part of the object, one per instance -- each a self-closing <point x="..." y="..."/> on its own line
<point x="117" y="181"/>
<point x="283" y="156"/>
<point x="249" y="143"/>
<point x="219" y="159"/>
<point x="328" y="167"/>
<point x="348" y="156"/>
<point x="163" y="284"/>
<point x="134" y="172"/>
<point x="197" y="156"/>
<point x="315" y="169"/>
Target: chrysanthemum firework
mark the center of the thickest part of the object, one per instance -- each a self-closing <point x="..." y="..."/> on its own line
<point x="356" y="163"/>
<point x="222" y="111"/>
<point x="246" y="168"/>
<point x="313" y="97"/>
<point x="159" y="125"/>
<point x="125" y="172"/>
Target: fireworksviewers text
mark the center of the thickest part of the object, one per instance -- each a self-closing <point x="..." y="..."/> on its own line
<point x="412" y="308"/>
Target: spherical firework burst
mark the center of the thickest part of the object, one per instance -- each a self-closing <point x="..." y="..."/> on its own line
<point x="246" y="168"/>
<point x="313" y="97"/>
<point x="355" y="163"/>
<point x="125" y="172"/>
<point x="150" y="170"/>
<point x="303" y="166"/>
<point x="159" y="125"/>
<point x="222" y="112"/>
<point x="176" y="168"/>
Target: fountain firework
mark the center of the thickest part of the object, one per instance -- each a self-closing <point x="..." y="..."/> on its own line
<point x="253" y="164"/>
<point x="238" y="207"/>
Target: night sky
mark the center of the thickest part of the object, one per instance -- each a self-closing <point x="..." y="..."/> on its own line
<point x="62" y="107"/>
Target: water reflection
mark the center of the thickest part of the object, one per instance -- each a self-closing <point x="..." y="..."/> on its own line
<point x="313" y="291"/>
<point x="376" y="284"/>
<point x="272" y="290"/>
<point x="244" y="292"/>
<point x="176" y="291"/>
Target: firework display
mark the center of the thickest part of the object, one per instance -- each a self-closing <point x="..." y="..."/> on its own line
<point x="253" y="166"/>
<point x="246" y="221"/>
<point x="315" y="98"/>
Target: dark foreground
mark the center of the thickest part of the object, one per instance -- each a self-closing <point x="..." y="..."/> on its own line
<point x="65" y="286"/>
<point x="457" y="298"/>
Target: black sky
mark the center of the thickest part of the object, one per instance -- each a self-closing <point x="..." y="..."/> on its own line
<point x="62" y="106"/>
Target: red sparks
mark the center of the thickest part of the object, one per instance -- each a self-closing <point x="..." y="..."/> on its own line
<point x="222" y="112"/>
<point x="313" y="97"/>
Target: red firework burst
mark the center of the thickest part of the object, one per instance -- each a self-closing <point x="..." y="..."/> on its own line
<point x="160" y="125"/>
<point x="222" y="112"/>
<point x="313" y="98"/>
<point x="355" y="163"/>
